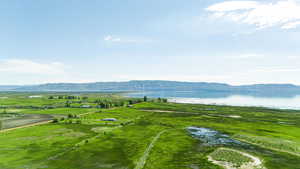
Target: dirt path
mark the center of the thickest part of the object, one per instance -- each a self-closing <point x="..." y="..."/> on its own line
<point x="168" y="111"/>
<point x="83" y="142"/>
<point x="83" y="114"/>
<point x="256" y="162"/>
<point x="142" y="161"/>
<point x="191" y="113"/>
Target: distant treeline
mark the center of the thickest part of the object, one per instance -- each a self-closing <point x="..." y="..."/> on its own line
<point x="86" y="102"/>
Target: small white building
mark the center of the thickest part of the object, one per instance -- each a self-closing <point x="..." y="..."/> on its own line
<point x="85" y="106"/>
<point x="35" y="96"/>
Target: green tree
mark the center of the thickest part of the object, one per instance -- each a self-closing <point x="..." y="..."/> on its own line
<point x="102" y="105"/>
<point x="68" y="104"/>
<point x="130" y="102"/>
<point x="55" y="120"/>
<point x="145" y="99"/>
<point x="159" y="99"/>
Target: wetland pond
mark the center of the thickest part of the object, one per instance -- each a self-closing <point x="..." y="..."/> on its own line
<point x="211" y="137"/>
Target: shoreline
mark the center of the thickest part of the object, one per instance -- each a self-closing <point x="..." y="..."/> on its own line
<point x="183" y="100"/>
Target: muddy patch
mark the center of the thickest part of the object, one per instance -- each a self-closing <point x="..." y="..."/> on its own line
<point x="7" y="116"/>
<point x="18" y="120"/>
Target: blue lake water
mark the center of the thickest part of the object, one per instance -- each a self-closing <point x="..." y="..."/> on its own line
<point x="212" y="137"/>
<point x="281" y="102"/>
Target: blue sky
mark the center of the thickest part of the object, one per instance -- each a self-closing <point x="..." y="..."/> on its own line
<point x="236" y="42"/>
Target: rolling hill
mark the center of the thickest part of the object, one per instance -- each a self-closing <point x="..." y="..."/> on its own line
<point x="157" y="85"/>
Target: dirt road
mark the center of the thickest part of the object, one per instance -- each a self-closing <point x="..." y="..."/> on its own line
<point x="142" y="161"/>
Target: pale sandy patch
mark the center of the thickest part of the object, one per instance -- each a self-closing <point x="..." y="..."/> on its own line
<point x="255" y="163"/>
<point x="234" y="116"/>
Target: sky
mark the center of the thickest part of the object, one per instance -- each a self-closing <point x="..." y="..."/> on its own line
<point x="236" y="42"/>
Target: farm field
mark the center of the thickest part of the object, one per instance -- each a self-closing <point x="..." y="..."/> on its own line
<point x="118" y="132"/>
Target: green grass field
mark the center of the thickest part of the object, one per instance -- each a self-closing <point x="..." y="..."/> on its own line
<point x="149" y="135"/>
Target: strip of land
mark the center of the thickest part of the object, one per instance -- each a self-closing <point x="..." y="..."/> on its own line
<point x="266" y="147"/>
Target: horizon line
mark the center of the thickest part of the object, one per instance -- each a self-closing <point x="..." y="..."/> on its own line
<point x="249" y="84"/>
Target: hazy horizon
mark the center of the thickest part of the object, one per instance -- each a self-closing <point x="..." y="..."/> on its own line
<point x="235" y="42"/>
<point x="149" y="80"/>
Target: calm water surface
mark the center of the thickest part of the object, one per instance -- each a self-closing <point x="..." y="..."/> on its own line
<point x="240" y="100"/>
<point x="292" y="102"/>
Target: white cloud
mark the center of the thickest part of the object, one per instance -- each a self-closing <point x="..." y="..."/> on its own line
<point x="188" y="78"/>
<point x="247" y="56"/>
<point x="282" y="13"/>
<point x="112" y="39"/>
<point x="115" y="39"/>
<point x="22" y="71"/>
<point x="20" y="66"/>
<point x="277" y="69"/>
<point x="291" y="25"/>
<point x="293" y="57"/>
<point x="233" y="5"/>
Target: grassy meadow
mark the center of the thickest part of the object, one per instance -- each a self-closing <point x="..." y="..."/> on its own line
<point x="144" y="135"/>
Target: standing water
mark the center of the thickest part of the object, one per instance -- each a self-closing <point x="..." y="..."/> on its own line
<point x="211" y="137"/>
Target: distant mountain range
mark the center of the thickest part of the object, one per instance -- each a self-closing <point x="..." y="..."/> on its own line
<point x="157" y="85"/>
<point x="8" y="88"/>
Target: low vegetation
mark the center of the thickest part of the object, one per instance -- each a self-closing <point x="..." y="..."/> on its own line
<point x="232" y="157"/>
<point x="277" y="144"/>
<point x="81" y="138"/>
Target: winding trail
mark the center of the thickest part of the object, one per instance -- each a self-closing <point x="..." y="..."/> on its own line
<point x="142" y="161"/>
